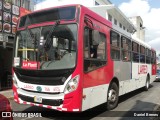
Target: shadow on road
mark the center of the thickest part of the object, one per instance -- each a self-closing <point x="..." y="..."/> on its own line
<point x="141" y="111"/>
<point x="132" y="94"/>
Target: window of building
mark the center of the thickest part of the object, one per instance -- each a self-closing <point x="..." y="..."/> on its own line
<point x="115" y="21"/>
<point x="120" y="25"/>
<point x="135" y="52"/>
<point x="142" y="54"/>
<point x="109" y="17"/>
<point x="94" y="49"/>
<point x="115" y="45"/>
<point x="126" y="49"/>
<point x="124" y="28"/>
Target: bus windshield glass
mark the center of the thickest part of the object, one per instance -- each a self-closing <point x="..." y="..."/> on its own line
<point x="59" y="53"/>
<point x="65" y="13"/>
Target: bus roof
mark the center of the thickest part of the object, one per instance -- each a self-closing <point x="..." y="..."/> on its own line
<point x="141" y="42"/>
<point x="50" y="8"/>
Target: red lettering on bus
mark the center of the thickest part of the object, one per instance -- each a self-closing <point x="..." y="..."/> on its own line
<point x="47" y="89"/>
<point x="29" y="87"/>
<point x="56" y="89"/>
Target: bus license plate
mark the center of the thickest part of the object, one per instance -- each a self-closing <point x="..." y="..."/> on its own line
<point x="38" y="99"/>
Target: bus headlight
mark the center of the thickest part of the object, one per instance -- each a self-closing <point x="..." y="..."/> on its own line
<point x="72" y="85"/>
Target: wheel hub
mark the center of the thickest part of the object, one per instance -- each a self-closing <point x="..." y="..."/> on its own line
<point x="147" y="84"/>
<point x="112" y="95"/>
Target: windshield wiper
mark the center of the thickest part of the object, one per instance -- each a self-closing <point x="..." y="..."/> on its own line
<point x="30" y="33"/>
<point x="48" y="42"/>
<point x="33" y="38"/>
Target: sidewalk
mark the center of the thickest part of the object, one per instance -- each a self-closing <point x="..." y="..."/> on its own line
<point x="7" y="93"/>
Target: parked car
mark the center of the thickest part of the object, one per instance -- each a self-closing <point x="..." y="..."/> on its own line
<point x="5" y="108"/>
<point x="158" y="75"/>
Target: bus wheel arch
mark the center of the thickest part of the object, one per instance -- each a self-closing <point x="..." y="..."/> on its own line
<point x="146" y="87"/>
<point x="113" y="94"/>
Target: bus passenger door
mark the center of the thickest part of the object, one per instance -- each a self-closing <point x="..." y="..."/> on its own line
<point x="94" y="90"/>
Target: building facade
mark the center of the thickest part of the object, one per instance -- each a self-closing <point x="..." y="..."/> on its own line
<point x="138" y="23"/>
<point x="10" y="10"/>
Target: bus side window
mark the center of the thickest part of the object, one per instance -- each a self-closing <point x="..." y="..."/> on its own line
<point x="94" y="49"/>
<point x="126" y="49"/>
<point x="153" y="57"/>
<point x="135" y="52"/>
<point x="148" y="57"/>
<point x="115" y="45"/>
<point x="142" y="54"/>
<point x="86" y="43"/>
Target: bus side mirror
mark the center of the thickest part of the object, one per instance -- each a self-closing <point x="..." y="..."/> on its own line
<point x="96" y="37"/>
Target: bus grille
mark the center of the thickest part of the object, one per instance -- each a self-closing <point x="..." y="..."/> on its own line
<point x="57" y="102"/>
<point x="41" y="80"/>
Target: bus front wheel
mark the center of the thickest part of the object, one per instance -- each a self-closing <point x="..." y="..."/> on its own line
<point x="112" y="97"/>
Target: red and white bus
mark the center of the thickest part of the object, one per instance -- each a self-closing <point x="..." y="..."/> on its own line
<point x="69" y="58"/>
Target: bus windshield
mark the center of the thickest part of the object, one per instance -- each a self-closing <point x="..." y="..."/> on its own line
<point x="32" y="52"/>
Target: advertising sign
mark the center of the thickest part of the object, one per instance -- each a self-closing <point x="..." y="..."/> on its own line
<point x="9" y="15"/>
<point x="14" y="19"/>
<point x="15" y="10"/>
<point x="7" y="6"/>
<point x="6" y="17"/>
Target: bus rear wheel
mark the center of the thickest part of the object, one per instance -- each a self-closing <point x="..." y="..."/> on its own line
<point x="146" y="87"/>
<point x="113" y="96"/>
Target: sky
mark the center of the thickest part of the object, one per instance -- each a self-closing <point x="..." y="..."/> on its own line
<point x="149" y="10"/>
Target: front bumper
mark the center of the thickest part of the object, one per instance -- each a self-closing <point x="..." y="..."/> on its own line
<point x="55" y="101"/>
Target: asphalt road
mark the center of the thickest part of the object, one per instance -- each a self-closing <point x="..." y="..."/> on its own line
<point x="131" y="104"/>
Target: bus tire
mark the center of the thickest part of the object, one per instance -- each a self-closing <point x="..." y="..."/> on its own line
<point x="113" y="96"/>
<point x="146" y="87"/>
